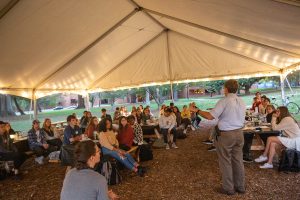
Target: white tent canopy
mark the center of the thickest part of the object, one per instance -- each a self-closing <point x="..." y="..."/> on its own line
<point x="54" y="46"/>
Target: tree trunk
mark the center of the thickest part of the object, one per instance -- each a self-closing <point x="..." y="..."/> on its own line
<point x="6" y="106"/>
<point x="18" y="106"/>
<point x="187" y="91"/>
<point x="80" y="102"/>
<point x="247" y="89"/>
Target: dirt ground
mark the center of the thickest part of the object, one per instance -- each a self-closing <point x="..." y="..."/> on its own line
<point x="189" y="172"/>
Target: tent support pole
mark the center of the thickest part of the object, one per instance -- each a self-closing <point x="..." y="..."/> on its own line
<point x="169" y="65"/>
<point x="282" y="77"/>
<point x="8" y="7"/>
<point x="87" y="102"/>
<point x="34" y="105"/>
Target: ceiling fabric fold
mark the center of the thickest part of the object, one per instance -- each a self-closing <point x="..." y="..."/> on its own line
<point x="207" y="40"/>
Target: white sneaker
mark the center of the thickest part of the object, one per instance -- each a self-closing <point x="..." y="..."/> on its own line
<point x="167" y="147"/>
<point x="193" y="128"/>
<point x="174" y="146"/>
<point x="39" y="160"/>
<point x="266" y="166"/>
<point x="261" y="159"/>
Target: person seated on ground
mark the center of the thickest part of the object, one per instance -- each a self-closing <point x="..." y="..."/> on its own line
<point x="9" y="130"/>
<point x="194" y="115"/>
<point x="82" y="182"/>
<point x="48" y="132"/>
<point x="117" y="114"/>
<point x="270" y="110"/>
<point x="105" y="115"/>
<point x="110" y="147"/>
<point x="92" y="128"/>
<point x="162" y="108"/>
<point x="72" y="132"/>
<point x="38" y="144"/>
<point x="177" y="115"/>
<point x="186" y="118"/>
<point x="146" y="116"/>
<point x="281" y="121"/>
<point x="8" y="151"/>
<point x="125" y="134"/>
<point x="167" y="124"/>
<point x="137" y="130"/>
<point x="148" y="107"/>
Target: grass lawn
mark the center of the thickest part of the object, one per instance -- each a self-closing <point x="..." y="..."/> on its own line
<point x="23" y="123"/>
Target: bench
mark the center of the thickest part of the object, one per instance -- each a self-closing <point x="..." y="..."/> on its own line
<point x="134" y="150"/>
<point x="60" y="123"/>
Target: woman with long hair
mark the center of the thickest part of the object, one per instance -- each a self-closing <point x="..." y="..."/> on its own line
<point x="110" y="147"/>
<point x="125" y="135"/>
<point x="49" y="134"/>
<point x="281" y="121"/>
<point x="92" y="128"/>
<point x="82" y="182"/>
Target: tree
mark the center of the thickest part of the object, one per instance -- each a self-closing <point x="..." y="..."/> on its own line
<point x="6" y="108"/>
<point x="18" y="106"/>
<point x="214" y="86"/>
<point x="246" y="83"/>
<point x="113" y="95"/>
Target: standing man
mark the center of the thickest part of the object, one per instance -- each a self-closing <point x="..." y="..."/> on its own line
<point x="230" y="111"/>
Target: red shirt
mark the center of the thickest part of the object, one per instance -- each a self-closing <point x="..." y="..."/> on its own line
<point x="125" y="136"/>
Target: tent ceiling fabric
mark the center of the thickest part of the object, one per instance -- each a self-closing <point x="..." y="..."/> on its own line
<point x="41" y="42"/>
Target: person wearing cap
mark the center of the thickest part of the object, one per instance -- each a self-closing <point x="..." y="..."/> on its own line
<point x="230" y="112"/>
<point x="72" y="132"/>
<point x="38" y="143"/>
<point x="8" y="152"/>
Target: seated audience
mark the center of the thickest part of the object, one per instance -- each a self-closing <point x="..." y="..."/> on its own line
<point x="270" y="111"/>
<point x="281" y="121"/>
<point x="137" y="130"/>
<point x="161" y="112"/>
<point x="105" y="115"/>
<point x="194" y="115"/>
<point x="8" y="151"/>
<point x="133" y="109"/>
<point x="72" y="132"/>
<point x="117" y="114"/>
<point x="263" y="106"/>
<point x="255" y="105"/>
<point x="177" y="115"/>
<point x="92" y="128"/>
<point x="9" y="130"/>
<point x="125" y="135"/>
<point x="146" y="116"/>
<point x="51" y="138"/>
<point x="84" y="121"/>
<point x="38" y="143"/>
<point x="186" y="118"/>
<point x="139" y="115"/>
<point x="167" y="124"/>
<point x="82" y="182"/>
<point x="110" y="147"/>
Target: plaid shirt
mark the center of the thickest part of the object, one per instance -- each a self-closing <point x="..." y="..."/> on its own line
<point x="35" y="140"/>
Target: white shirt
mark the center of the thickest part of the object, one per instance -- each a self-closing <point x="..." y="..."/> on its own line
<point x="167" y="122"/>
<point x="230" y="111"/>
<point x="288" y="126"/>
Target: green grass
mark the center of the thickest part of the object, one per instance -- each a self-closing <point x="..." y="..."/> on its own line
<point x="23" y="123"/>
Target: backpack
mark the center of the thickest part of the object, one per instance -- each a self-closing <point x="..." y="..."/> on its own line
<point x="290" y="161"/>
<point x="180" y="134"/>
<point x="110" y="171"/>
<point x="145" y="153"/>
<point x="67" y="155"/>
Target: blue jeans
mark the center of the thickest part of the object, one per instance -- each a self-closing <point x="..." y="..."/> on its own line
<point x="127" y="159"/>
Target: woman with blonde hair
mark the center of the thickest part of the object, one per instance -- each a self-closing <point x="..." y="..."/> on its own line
<point x="50" y="135"/>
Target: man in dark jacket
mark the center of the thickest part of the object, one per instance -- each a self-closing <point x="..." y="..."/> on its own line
<point x="72" y="132"/>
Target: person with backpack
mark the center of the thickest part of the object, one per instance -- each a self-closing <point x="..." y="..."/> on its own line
<point x="110" y="147"/>
<point x="82" y="182"/>
<point x="281" y="121"/>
